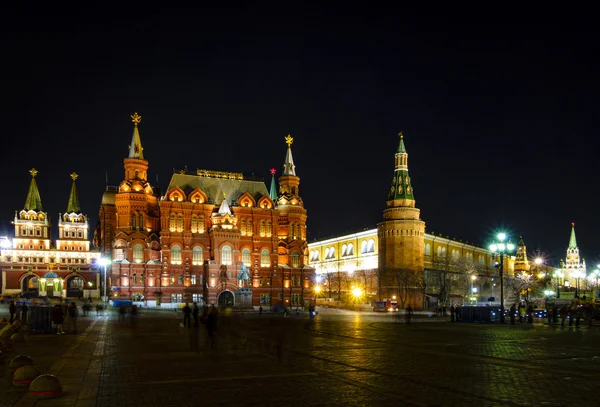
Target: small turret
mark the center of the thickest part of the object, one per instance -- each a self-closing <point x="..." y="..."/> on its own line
<point x="73" y="205"/>
<point x="33" y="202"/>
<point x="273" y="189"/>
<point x="135" y="148"/>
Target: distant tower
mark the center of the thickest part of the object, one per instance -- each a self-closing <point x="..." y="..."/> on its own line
<point x="401" y="237"/>
<point x="32" y="226"/>
<point x="521" y="262"/>
<point x="573" y="262"/>
<point x="292" y="246"/>
<point x="73" y="227"/>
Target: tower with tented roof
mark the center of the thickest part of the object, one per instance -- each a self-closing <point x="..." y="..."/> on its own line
<point x="401" y="238"/>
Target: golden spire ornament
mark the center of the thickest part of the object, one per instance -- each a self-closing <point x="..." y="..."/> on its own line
<point x="400" y="134"/>
<point x="136" y="118"/>
<point x="33" y="172"/>
<point x="289" y="140"/>
<point x="74" y="176"/>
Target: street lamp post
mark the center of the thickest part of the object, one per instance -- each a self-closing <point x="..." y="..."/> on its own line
<point x="577" y="274"/>
<point x="103" y="261"/>
<point x="501" y="248"/>
<point x="558" y="275"/>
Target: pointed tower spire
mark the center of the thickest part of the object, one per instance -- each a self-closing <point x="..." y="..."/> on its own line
<point x="73" y="206"/>
<point x="135" y="149"/>
<point x="572" y="240"/>
<point x="224" y="206"/>
<point x="33" y="201"/>
<point x="273" y="190"/>
<point x="521" y="262"/>
<point x="401" y="192"/>
<point x="288" y="166"/>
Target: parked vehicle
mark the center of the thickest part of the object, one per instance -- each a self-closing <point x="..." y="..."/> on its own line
<point x="387" y="305"/>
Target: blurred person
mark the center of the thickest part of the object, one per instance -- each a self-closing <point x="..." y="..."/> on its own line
<point x="58" y="317"/>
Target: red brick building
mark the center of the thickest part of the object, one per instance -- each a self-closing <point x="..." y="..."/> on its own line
<point x="213" y="237"/>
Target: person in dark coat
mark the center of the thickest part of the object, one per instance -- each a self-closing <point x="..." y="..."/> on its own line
<point x="195" y="311"/>
<point x="211" y="325"/>
<point x="452" y="314"/>
<point x="12" y="309"/>
<point x="58" y="318"/>
<point x="24" y="310"/>
<point x="186" y="315"/>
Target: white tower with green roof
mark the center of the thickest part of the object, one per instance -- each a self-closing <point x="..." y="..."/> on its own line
<point x="574" y="265"/>
<point x="401" y="238"/>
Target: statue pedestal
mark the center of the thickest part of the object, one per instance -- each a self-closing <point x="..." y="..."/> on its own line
<point x="243" y="298"/>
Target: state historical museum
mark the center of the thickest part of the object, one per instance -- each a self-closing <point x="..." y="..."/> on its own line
<point x="213" y="237"/>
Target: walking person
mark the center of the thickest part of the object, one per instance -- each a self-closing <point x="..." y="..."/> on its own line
<point x="133" y="315"/>
<point x="195" y="311"/>
<point x="73" y="314"/>
<point x="452" y="319"/>
<point x="513" y="312"/>
<point x="408" y="314"/>
<point x="260" y="310"/>
<point x="24" y="310"/>
<point x="211" y="325"/>
<point x="12" y="309"/>
<point x="187" y="311"/>
<point x="58" y="318"/>
<point x="563" y="314"/>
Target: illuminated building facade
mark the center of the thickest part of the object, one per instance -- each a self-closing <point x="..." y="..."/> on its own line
<point x="33" y="267"/>
<point x="378" y="260"/>
<point x="213" y="237"/>
<point x="573" y="268"/>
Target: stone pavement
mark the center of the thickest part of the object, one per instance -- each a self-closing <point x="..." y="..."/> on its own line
<point x="338" y="359"/>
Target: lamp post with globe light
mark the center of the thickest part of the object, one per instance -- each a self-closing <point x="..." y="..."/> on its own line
<point x="558" y="274"/>
<point x="577" y="274"/>
<point x="501" y="248"/>
<point x="103" y="261"/>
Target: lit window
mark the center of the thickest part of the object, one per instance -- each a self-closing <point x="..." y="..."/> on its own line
<point x="176" y="254"/>
<point x="226" y="257"/>
<point x="295" y="259"/>
<point x="246" y="257"/>
<point x="265" y="259"/>
<point x="138" y="253"/>
<point x="371" y="247"/>
<point x="197" y="255"/>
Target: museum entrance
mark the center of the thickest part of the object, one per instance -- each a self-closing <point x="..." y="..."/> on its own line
<point x="30" y="286"/>
<point x="75" y="287"/>
<point x="225" y="299"/>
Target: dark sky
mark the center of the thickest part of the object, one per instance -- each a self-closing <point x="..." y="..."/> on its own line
<point x="499" y="109"/>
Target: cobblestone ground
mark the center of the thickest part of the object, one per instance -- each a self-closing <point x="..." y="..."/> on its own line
<point x="334" y="360"/>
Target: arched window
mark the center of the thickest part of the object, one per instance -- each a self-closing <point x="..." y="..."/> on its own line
<point x="226" y="257"/>
<point x="269" y="231"/>
<point x="133" y="220"/>
<point x="265" y="258"/>
<point x="344" y="250"/>
<point x="371" y="247"/>
<point x="427" y="249"/>
<point x="176" y="254"/>
<point x="172" y="223"/>
<point x="291" y="232"/>
<point x="179" y="223"/>
<point x="297" y="232"/>
<point x="440" y="251"/>
<point x="243" y="227"/>
<point x="141" y="225"/>
<point x="249" y="228"/>
<point x="350" y="250"/>
<point x="197" y="254"/>
<point x="262" y="228"/>
<point x="246" y="257"/>
<point x="194" y="224"/>
<point x="138" y="253"/>
<point x="295" y="259"/>
<point x="200" y="224"/>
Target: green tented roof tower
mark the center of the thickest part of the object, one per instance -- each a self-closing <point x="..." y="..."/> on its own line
<point x="401" y="189"/>
<point x="33" y="201"/>
<point x="572" y="240"/>
<point x="73" y="206"/>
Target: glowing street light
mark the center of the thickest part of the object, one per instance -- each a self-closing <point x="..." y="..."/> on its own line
<point x="558" y="274"/>
<point x="501" y="248"/>
<point x="577" y="274"/>
<point x="103" y="261"/>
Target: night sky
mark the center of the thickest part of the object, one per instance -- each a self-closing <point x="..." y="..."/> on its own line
<point x="499" y="109"/>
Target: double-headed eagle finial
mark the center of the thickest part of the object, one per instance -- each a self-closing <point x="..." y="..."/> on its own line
<point x="33" y="172"/>
<point x="136" y="118"/>
<point x="289" y="140"/>
<point x="73" y="176"/>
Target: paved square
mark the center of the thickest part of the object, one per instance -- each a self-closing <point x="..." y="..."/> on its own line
<point x="337" y="359"/>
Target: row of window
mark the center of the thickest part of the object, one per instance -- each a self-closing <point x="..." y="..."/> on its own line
<point x="197" y="298"/>
<point x="226" y="256"/>
<point x="50" y="260"/>
<point x="265" y="299"/>
<point x="72" y="233"/>
<point x="455" y="254"/>
<point x="366" y="246"/>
